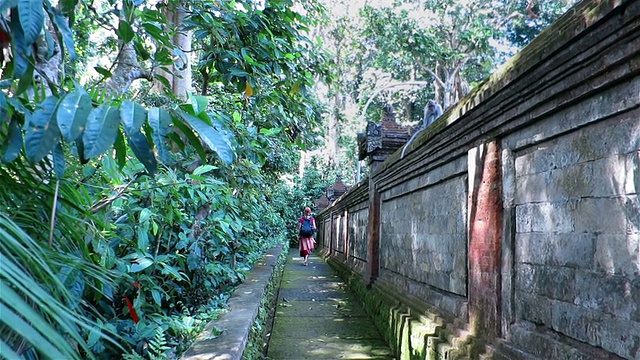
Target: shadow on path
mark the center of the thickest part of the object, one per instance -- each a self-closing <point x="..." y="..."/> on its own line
<point x="318" y="318"/>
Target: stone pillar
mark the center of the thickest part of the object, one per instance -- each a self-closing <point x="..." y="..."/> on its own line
<point x="345" y="234"/>
<point x="373" y="234"/>
<point x="507" y="306"/>
<point x="332" y="233"/>
<point x="485" y="236"/>
<point x="379" y="141"/>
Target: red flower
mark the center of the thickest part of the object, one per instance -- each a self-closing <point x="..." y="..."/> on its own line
<point x="132" y="311"/>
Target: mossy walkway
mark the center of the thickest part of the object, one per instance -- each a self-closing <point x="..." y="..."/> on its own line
<point x="318" y="318"/>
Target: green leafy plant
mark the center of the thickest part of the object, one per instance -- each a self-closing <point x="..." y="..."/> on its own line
<point x="145" y="209"/>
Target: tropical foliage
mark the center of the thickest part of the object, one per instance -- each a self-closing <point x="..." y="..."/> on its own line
<point x="128" y="215"/>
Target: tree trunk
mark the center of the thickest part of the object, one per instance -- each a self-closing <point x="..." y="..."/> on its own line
<point x="182" y="68"/>
<point x="179" y="75"/>
<point x="332" y="136"/>
<point x="126" y="70"/>
<point x="437" y="89"/>
<point x="302" y="163"/>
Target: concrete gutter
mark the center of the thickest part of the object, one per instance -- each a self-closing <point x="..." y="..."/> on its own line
<point x="243" y="306"/>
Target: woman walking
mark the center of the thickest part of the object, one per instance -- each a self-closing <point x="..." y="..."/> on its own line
<point x="306" y="228"/>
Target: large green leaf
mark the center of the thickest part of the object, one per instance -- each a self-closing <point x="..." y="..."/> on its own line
<point x="138" y="143"/>
<point x="50" y="45"/>
<point x="199" y="103"/>
<point x="3" y="108"/>
<point x="190" y="135"/>
<point x="31" y="19"/>
<point x="157" y="297"/>
<point x="157" y="33"/>
<point x="80" y="149"/>
<point x="40" y="316"/>
<point x="20" y="49"/>
<point x="140" y="264"/>
<point x="160" y="120"/>
<point x="59" y="165"/>
<point x="212" y="137"/>
<point x="18" y="106"/>
<point x="26" y="80"/>
<point x="11" y="148"/>
<point x="72" y="113"/>
<point x="125" y="32"/>
<point x="66" y="34"/>
<point x="6" y="352"/>
<point x="101" y="130"/>
<point x="133" y="116"/>
<point x="42" y="132"/>
<point x="203" y="169"/>
<point x="121" y="150"/>
<point x="102" y="71"/>
<point x="142" y="52"/>
<point x="35" y="324"/>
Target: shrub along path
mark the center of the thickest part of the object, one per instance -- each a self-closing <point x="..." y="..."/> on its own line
<point x="317" y="317"/>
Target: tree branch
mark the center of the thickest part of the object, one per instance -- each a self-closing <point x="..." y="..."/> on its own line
<point x="431" y="72"/>
<point x="126" y="70"/>
<point x="101" y="204"/>
<point x="530" y="9"/>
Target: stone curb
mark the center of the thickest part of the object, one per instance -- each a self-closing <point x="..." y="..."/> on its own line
<point x="243" y="306"/>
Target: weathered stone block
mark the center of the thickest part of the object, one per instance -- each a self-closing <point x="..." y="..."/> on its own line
<point x="525" y="277"/>
<point x="543" y="345"/>
<point x="588" y="215"/>
<point x="555" y="217"/>
<point x="572" y="250"/>
<point x="621" y="337"/>
<point x="574" y="321"/>
<point x="631" y="179"/>
<point x="524" y="218"/>
<point x="532" y="188"/>
<point x="427" y="236"/>
<point x="613" y="334"/>
<point x="618" y="254"/>
<point x="532" y="248"/>
<point x="574" y="181"/>
<point x="613" y="183"/>
<point x="532" y="162"/>
<point x="555" y="282"/>
<point x="552" y="282"/>
<point x="632" y="210"/>
<point x="532" y="307"/>
<point x="607" y="294"/>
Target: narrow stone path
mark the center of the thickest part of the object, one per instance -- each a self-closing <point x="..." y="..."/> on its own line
<point x="318" y="318"/>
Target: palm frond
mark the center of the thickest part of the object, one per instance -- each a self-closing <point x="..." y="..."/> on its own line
<point x="30" y="311"/>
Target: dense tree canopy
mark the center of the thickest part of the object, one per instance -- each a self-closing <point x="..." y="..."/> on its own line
<point x="438" y="49"/>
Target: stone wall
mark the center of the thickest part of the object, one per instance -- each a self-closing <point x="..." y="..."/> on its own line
<point x="513" y="222"/>
<point x="576" y="234"/>
<point x="358" y="216"/>
<point x="423" y="235"/>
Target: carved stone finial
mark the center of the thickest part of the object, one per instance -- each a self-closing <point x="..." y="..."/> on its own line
<point x="382" y="139"/>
